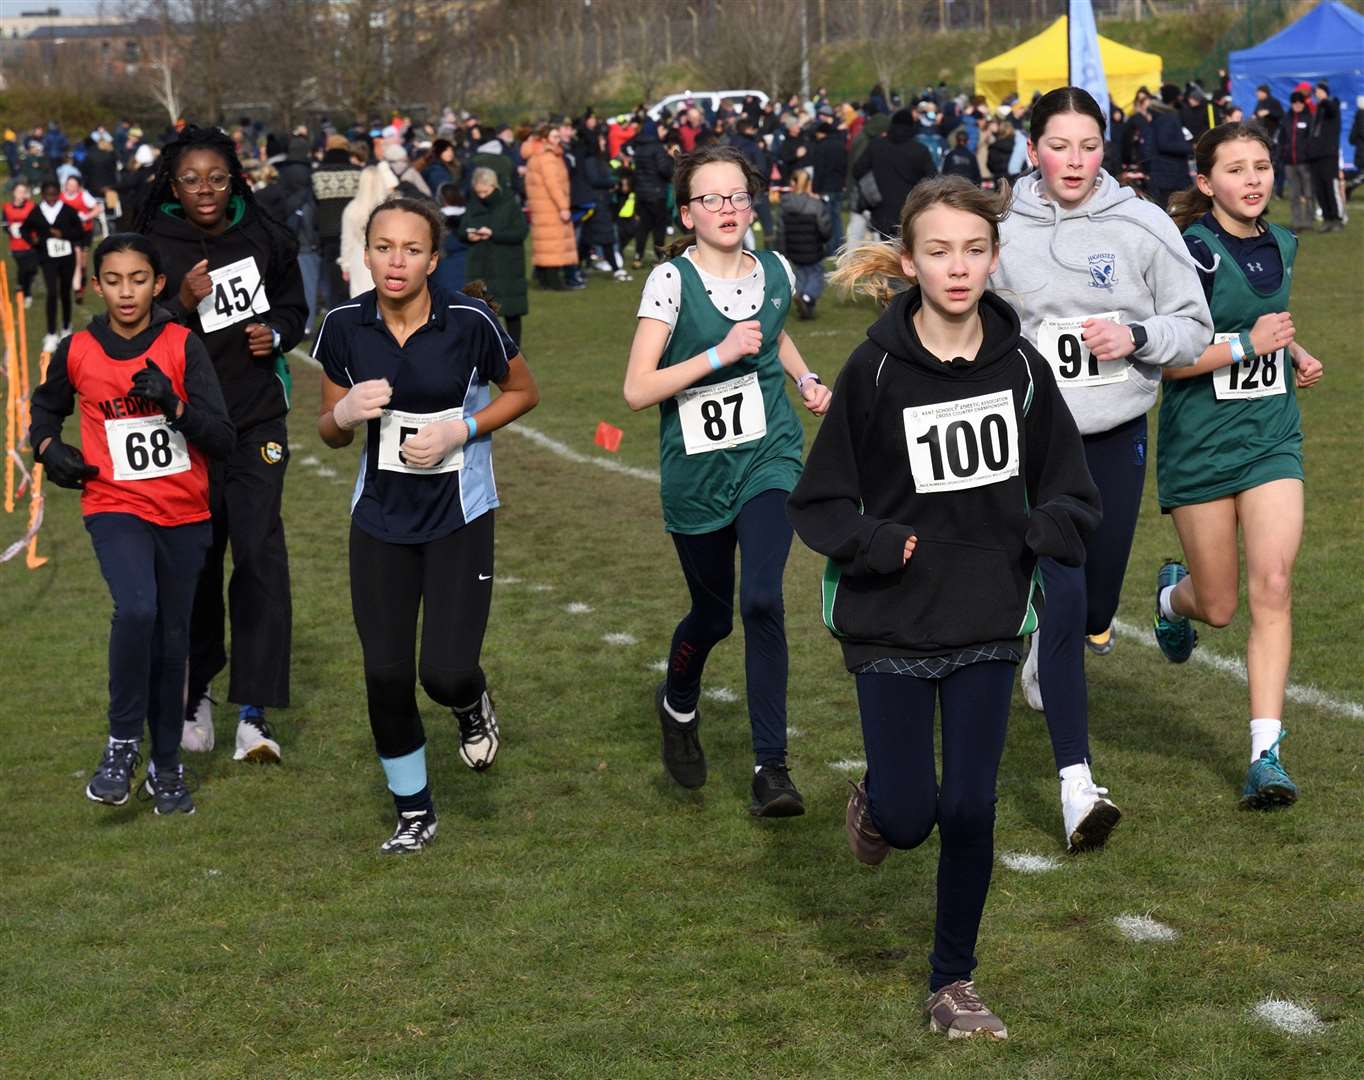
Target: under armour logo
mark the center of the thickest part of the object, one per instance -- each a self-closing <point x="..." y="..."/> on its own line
<point x="776" y="301"/>
<point x="1255" y="268"/>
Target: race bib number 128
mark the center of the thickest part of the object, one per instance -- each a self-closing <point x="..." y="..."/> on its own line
<point x="1256" y="377"/>
<point x="961" y="444"/>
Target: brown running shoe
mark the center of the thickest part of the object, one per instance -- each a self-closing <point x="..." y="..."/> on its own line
<point x="868" y="845"/>
<point x="957" y="1010"/>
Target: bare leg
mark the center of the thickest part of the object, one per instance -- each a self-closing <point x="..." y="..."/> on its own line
<point x="1271" y="519"/>
<point x="1207" y="532"/>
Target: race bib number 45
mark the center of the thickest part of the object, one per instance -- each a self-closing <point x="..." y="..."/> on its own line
<point x="1255" y="377"/>
<point x="721" y="416"/>
<point x="1060" y="342"/>
<point x="237" y="294"/>
<point x="145" y="447"/>
<point x="968" y="443"/>
<point x="396" y="427"/>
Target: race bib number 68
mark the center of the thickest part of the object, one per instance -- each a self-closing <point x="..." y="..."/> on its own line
<point x="145" y="447"/>
<point x="961" y="444"/>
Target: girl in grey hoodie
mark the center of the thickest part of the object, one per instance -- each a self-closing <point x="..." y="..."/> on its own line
<point x="1109" y="295"/>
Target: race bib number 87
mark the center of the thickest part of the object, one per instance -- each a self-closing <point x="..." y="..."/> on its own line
<point x="237" y="294"/>
<point x="720" y="416"/>
<point x="145" y="447"/>
<point x="396" y="427"/>
<point x="968" y="443"/>
<point x="1059" y="340"/>
<point x="1255" y="377"/>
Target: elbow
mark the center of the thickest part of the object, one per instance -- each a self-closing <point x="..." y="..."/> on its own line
<point x="635" y="399"/>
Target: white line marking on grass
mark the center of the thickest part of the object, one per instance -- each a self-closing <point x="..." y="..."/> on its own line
<point x="1286" y="1016"/>
<point x="325" y="471"/>
<point x="577" y="607"/>
<point x="721" y="693"/>
<point x="794" y="733"/>
<point x="620" y="639"/>
<point x="1144" y="928"/>
<point x="658" y="665"/>
<point x="563" y="450"/>
<point x="540" y="587"/>
<point x="507" y="580"/>
<point x="310" y="461"/>
<point x="1027" y="863"/>
<point x="848" y="765"/>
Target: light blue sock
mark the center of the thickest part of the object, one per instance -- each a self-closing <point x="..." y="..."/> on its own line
<point x="406" y="774"/>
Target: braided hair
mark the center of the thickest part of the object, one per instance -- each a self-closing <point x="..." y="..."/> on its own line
<point x="283" y="248"/>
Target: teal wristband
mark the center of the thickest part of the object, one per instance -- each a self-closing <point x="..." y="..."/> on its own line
<point x="1246" y="344"/>
<point x="714" y="358"/>
<point x="472" y="425"/>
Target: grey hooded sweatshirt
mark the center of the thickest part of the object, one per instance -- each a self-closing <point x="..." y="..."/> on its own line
<point x="1114" y="253"/>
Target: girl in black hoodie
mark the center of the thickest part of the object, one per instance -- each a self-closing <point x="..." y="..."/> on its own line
<point x="946" y="465"/>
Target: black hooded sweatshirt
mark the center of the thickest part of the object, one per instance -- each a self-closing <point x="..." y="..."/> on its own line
<point x="256" y="389"/>
<point x="994" y="444"/>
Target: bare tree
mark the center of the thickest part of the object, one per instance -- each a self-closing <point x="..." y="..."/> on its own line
<point x="756" y="45"/>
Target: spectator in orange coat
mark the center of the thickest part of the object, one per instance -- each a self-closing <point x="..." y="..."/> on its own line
<point x="553" y="248"/>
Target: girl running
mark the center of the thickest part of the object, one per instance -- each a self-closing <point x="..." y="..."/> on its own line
<point x="16" y="212"/>
<point x="1231" y="438"/>
<point x="947" y="465"/>
<point x="53" y="230"/>
<point x="1110" y="298"/>
<point x="710" y="351"/>
<point x="411" y="364"/>
<point x="87" y="208"/>
<point x="151" y="411"/>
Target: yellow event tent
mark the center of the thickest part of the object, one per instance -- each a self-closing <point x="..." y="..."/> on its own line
<point x="1040" y="64"/>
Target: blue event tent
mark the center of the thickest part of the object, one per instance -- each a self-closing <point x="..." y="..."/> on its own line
<point x="1326" y="43"/>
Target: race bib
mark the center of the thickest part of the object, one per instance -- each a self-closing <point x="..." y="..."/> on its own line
<point x="1059" y="341"/>
<point x="16" y="230"/>
<point x="723" y="415"/>
<point x="145" y="447"/>
<point x="968" y="443"/>
<point x="396" y="427"/>
<point x="237" y="294"/>
<point x="58" y="248"/>
<point x="1255" y="377"/>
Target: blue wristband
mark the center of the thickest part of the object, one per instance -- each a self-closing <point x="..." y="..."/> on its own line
<point x="1238" y="351"/>
<point x="714" y="358"/>
<point x="472" y="425"/>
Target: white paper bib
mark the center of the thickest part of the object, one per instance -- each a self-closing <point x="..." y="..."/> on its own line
<point x="723" y="415"/>
<point x="1255" y="377"/>
<point x="396" y="427"/>
<point x="961" y="444"/>
<point x="1059" y="341"/>
<point x="58" y="248"/>
<point x="145" y="447"/>
<point x="237" y="294"/>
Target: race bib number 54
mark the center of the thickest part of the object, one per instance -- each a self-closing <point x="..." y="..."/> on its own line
<point x="145" y="447"/>
<point x="1059" y="340"/>
<point x="724" y="415"/>
<point x="1255" y="377"/>
<point x="237" y="294"/>
<point x="968" y="443"/>
<point x="396" y="427"/>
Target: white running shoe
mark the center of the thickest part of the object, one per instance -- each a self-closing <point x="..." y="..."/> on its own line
<point x="197" y="736"/>
<point x="479" y="736"/>
<point x="254" y="743"/>
<point x="602" y="265"/>
<point x="50" y="343"/>
<point x="623" y="275"/>
<point x="1088" y="816"/>
<point x="1032" y="684"/>
<point x="66" y="331"/>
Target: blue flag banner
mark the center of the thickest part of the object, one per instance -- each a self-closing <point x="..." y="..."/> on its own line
<point x="1086" y="62"/>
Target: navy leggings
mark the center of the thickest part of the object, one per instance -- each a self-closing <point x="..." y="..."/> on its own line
<point x="152" y="571"/>
<point x="1082" y="600"/>
<point x="763" y="536"/>
<point x="906" y="800"/>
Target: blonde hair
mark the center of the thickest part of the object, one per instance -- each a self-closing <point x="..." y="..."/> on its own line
<point x="801" y="182"/>
<point x="874" y="270"/>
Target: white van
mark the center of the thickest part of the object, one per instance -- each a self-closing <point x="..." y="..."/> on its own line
<point x="704" y="98"/>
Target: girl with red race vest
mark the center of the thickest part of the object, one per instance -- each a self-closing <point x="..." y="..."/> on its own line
<point x="15" y="212"/>
<point x="151" y="410"/>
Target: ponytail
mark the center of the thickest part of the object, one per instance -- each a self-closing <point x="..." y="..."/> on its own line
<point x="1188" y="206"/>
<point x="871" y="270"/>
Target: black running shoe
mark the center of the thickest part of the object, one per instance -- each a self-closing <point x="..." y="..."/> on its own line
<point x="774" y="795"/>
<point x="113" y="778"/>
<point x="168" y="791"/>
<point x="479" y="736"/>
<point x="415" y="830"/>
<point x="682" y="754"/>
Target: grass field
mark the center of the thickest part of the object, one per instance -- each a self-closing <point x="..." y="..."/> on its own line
<point x="580" y="916"/>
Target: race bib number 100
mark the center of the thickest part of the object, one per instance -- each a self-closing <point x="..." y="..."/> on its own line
<point x="1059" y="340"/>
<point x="723" y="415"/>
<point x="145" y="447"/>
<point x="237" y="294"/>
<point x="968" y="443"/>
<point x="1255" y="377"/>
<point x="396" y="427"/>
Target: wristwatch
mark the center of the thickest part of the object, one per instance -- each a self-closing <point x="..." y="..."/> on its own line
<point x="1138" y="333"/>
<point x="808" y="377"/>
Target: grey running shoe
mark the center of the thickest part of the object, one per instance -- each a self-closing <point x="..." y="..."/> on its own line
<point x="113" y="778"/>
<point x="415" y="830"/>
<point x="868" y="845"/>
<point x="168" y="791"/>
<point x="958" y="1010"/>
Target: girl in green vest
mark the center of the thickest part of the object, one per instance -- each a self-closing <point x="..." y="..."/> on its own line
<point x="1230" y="452"/>
<point x="710" y="351"/>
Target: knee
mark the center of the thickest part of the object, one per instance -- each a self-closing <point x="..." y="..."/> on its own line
<point x="713" y="624"/>
<point x="390" y="688"/>
<point x="136" y="613"/>
<point x="1272" y="591"/>
<point x="761" y="605"/>
<point x="1219" y="609"/>
<point x="966" y="820"/>
<point x="903" y="823"/>
<point x="452" y="686"/>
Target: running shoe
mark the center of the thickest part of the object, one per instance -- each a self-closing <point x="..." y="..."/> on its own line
<point x="957" y="1010"/>
<point x="479" y="736"/>
<point x="1032" y="682"/>
<point x="197" y="734"/>
<point x="1176" y="637"/>
<point x="1089" y="817"/>
<point x="868" y="846"/>
<point x="1267" y="782"/>
<point x="623" y="275"/>
<point x="682" y="754"/>
<point x="50" y="343"/>
<point x="113" y="778"/>
<point x="774" y="795"/>
<point x="167" y="791"/>
<point x="415" y="830"/>
<point x="1101" y="644"/>
<point x="254" y="742"/>
<point x="603" y="266"/>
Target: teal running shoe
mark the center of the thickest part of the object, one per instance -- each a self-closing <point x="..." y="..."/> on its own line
<point x="1267" y="784"/>
<point x="1176" y="637"/>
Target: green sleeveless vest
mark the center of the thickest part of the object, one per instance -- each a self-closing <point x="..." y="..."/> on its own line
<point x="704" y="490"/>
<point x="1210" y="448"/>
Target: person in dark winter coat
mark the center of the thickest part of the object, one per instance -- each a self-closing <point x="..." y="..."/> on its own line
<point x="898" y="161"/>
<point x="336" y="181"/>
<point x="599" y="230"/>
<point x="450" y="273"/>
<point x="960" y="161"/>
<point x="1171" y="150"/>
<point x="100" y="171"/>
<point x="806" y="227"/>
<point x="653" y="177"/>
<point x="829" y="162"/>
<point x="747" y="141"/>
<point x="1323" y="156"/>
<point x="496" y="230"/>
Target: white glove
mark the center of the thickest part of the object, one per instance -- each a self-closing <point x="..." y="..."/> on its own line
<point x="363" y="402"/>
<point x="433" y="443"/>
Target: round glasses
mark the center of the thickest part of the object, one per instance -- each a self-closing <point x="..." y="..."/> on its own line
<point x="740" y="200"/>
<point x="216" y="181"/>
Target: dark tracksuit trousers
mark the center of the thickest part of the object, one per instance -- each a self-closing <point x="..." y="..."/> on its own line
<point x="57" y="274"/>
<point x="651" y="216"/>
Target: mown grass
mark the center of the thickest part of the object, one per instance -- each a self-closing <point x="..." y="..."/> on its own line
<point x="578" y="915"/>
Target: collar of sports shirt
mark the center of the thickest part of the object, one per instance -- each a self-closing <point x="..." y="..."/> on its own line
<point x="440" y="308"/>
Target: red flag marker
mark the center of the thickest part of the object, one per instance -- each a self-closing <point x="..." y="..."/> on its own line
<point x="608" y="437"/>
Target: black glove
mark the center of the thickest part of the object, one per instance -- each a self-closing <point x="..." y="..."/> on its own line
<point x="154" y="386"/>
<point x="65" y="465"/>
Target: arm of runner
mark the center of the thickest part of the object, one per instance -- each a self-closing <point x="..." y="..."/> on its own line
<point x="1307" y="368"/>
<point x="647" y="384"/>
<point x="518" y="395"/>
<point x="344" y="409"/>
<point x="813" y="392"/>
<point x="1270" y="332"/>
<point x="52" y="401"/>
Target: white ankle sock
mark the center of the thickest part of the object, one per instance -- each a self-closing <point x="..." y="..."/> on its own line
<point x="1077" y="772"/>
<point x="681" y="718"/>
<point x="1263" y="732"/>
<point x="1165" y="609"/>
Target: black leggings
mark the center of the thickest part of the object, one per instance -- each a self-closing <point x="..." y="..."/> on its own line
<point x="57" y="275"/>
<point x="513" y="327"/>
<point x="451" y="580"/>
<point x="27" y="262"/>
<point x="651" y="216"/>
<point x="906" y="800"/>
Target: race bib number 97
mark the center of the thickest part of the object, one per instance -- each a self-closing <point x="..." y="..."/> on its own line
<point x="237" y="294"/>
<point x="396" y="427"/>
<point x="968" y="443"/>
<point x="723" y="415"/>
<point x="1255" y="377"/>
<point x="1059" y="340"/>
<point x="145" y="447"/>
